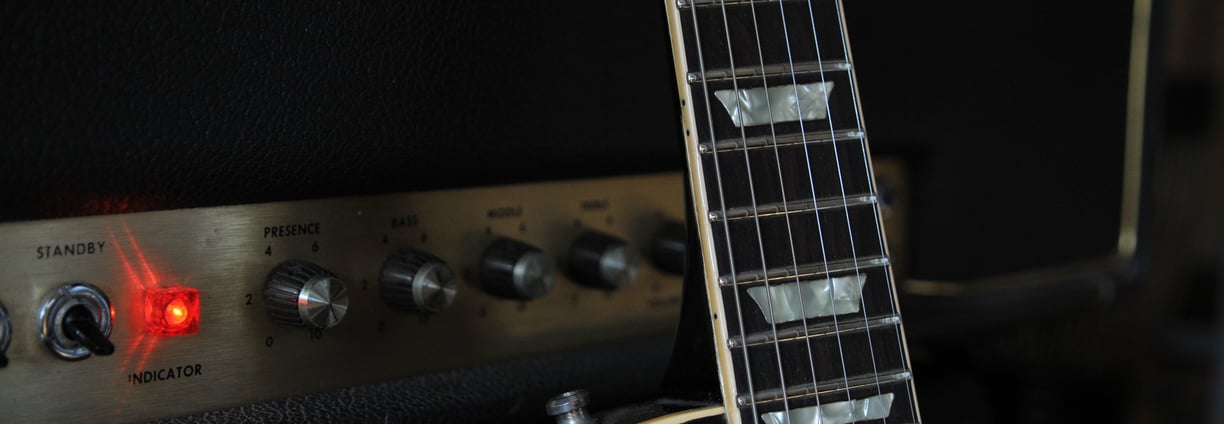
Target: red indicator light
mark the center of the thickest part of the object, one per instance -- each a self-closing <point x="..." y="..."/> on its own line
<point x="172" y="311"/>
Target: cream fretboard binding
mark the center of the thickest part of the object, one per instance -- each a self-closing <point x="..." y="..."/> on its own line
<point x="802" y="299"/>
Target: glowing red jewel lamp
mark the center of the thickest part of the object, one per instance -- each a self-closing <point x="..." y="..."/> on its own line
<point x="172" y="311"/>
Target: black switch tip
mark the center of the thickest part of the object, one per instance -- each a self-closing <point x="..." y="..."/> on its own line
<point x="80" y="325"/>
<point x="3" y="360"/>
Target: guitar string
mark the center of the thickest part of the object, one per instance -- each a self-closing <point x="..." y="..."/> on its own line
<point x="786" y="212"/>
<point x="846" y="205"/>
<point x="824" y="255"/>
<point x="756" y="220"/>
<point x="722" y="205"/>
<point x="890" y="281"/>
<point x="790" y="234"/>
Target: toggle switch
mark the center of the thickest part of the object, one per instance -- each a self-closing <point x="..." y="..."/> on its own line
<point x="80" y="325"/>
<point x="76" y="322"/>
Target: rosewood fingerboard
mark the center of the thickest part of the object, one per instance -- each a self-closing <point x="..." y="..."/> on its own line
<point x="788" y="215"/>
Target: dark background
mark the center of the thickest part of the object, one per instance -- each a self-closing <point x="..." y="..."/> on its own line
<point x="1004" y="113"/>
<point x="1153" y="355"/>
<point x="1008" y="116"/>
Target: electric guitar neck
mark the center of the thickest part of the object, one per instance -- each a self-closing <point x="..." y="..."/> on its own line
<point x="803" y="304"/>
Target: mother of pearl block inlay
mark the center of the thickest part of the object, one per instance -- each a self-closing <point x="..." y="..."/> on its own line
<point x="844" y="412"/>
<point x="809" y="299"/>
<point x="783" y="103"/>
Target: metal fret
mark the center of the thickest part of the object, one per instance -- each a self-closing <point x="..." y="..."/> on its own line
<point x="792" y="207"/>
<point x="814" y="331"/>
<point x="802" y="271"/>
<point x="813" y="137"/>
<point x="684" y="4"/>
<point x="801" y="391"/>
<point x="768" y="71"/>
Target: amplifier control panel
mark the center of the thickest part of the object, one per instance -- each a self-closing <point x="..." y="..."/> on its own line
<point x="168" y="313"/>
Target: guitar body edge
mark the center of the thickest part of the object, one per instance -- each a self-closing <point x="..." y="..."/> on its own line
<point x="689" y="416"/>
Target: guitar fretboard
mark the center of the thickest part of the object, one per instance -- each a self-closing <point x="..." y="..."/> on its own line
<point x="799" y="273"/>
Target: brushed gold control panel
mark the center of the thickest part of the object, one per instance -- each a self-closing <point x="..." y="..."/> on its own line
<point x="219" y="307"/>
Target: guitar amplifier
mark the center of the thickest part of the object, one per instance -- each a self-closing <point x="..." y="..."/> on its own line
<point x="451" y="210"/>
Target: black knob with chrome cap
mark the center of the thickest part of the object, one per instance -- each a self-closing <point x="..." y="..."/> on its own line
<point x="416" y="281"/>
<point x="667" y="248"/>
<point x="6" y="335"/>
<point x="513" y="269"/>
<point x="302" y="294"/>
<point x="601" y="260"/>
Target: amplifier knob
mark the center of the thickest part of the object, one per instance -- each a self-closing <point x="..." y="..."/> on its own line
<point x="302" y="294"/>
<point x="516" y="270"/>
<point x="667" y="249"/>
<point x="6" y="335"/>
<point x="416" y="281"/>
<point x="603" y="261"/>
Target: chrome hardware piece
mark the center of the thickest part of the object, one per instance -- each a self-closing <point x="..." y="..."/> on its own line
<point x="569" y="407"/>
<point x="59" y="307"/>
